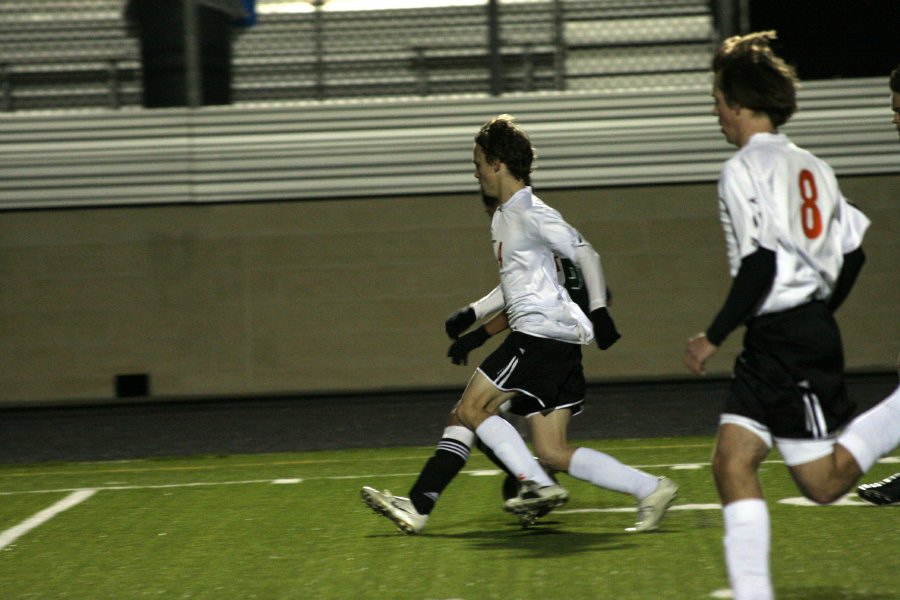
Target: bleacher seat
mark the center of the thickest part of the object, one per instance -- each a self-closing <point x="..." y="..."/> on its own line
<point x="68" y="54"/>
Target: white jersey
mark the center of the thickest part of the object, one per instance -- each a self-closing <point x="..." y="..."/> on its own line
<point x="527" y="235"/>
<point x="775" y="195"/>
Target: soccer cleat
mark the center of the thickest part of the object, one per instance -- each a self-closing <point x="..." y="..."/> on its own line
<point x="652" y="509"/>
<point x="396" y="508"/>
<point x="534" y="498"/>
<point x="881" y="493"/>
<point x="526" y="519"/>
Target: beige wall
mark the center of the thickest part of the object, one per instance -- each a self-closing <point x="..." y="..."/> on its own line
<point x="351" y="295"/>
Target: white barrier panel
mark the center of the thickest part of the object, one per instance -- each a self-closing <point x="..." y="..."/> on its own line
<point x="389" y="147"/>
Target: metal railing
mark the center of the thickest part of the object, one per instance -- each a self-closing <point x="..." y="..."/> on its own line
<point x="91" y="59"/>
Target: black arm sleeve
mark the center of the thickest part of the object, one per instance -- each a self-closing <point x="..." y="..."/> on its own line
<point x="853" y="263"/>
<point x="749" y="287"/>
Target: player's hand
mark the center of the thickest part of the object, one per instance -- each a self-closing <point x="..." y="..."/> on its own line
<point x="698" y="351"/>
<point x="459" y="350"/>
<point x="604" y="329"/>
<point x="459" y="321"/>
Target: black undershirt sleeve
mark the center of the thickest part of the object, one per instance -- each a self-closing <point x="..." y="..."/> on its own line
<point x="853" y="263"/>
<point x="749" y="287"/>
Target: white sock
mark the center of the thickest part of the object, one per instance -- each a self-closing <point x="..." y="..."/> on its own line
<point x="747" y="549"/>
<point x="501" y="437"/>
<point x="874" y="433"/>
<point x="605" y="471"/>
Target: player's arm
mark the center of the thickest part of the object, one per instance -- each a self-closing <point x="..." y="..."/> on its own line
<point x="466" y="316"/>
<point x="567" y="242"/>
<point x="750" y="235"/>
<point x="588" y="262"/>
<point x="855" y="224"/>
<point x="853" y="264"/>
<point x="748" y="289"/>
<point x="460" y="348"/>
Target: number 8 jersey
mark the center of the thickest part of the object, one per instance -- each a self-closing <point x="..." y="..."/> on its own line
<point x="775" y="195"/>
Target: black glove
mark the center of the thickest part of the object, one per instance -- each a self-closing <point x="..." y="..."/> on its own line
<point x="459" y="322"/>
<point x="459" y="350"/>
<point x="604" y="329"/>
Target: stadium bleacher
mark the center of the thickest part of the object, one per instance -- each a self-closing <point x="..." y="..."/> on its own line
<point x="66" y="54"/>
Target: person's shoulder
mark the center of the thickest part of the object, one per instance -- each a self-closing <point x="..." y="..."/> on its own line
<point x="541" y="210"/>
<point x="761" y="152"/>
<point x="808" y="155"/>
<point x="733" y="165"/>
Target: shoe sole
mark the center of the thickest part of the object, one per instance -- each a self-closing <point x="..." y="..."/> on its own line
<point x="881" y="493"/>
<point x="378" y="508"/>
<point x="535" y="505"/>
<point x="876" y="499"/>
<point x="526" y="520"/>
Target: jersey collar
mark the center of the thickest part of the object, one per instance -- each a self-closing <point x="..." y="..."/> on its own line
<point x="523" y="195"/>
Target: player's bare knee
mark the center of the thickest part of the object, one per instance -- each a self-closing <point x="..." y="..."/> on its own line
<point x="463" y="415"/>
<point x="553" y="458"/>
<point x="726" y="466"/>
<point x="823" y="494"/>
<point x="471" y="416"/>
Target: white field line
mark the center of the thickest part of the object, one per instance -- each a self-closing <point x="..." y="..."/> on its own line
<point x="160" y="486"/>
<point x="294" y="480"/>
<point x="141" y="466"/>
<point x="163" y="486"/>
<point x="631" y="509"/>
<point x="13" y="533"/>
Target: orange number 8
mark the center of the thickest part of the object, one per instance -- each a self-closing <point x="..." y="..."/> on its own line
<point x="810" y="217"/>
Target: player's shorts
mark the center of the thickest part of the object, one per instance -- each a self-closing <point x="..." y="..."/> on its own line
<point x="547" y="374"/>
<point x="789" y="379"/>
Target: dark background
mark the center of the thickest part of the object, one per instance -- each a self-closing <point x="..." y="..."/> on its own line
<point x="826" y="39"/>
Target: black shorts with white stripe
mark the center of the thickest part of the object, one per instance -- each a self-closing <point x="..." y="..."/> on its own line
<point x="547" y="373"/>
<point x="790" y="375"/>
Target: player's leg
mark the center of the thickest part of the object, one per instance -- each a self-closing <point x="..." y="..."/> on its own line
<point x="549" y="433"/>
<point x="740" y="449"/>
<point x="410" y="514"/>
<point x="884" y="492"/>
<point x="448" y="460"/>
<point x="653" y="494"/>
<point x="530" y="368"/>
<point x="477" y="409"/>
<point x="866" y="439"/>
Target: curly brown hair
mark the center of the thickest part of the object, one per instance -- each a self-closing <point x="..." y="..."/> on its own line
<point x="502" y="139"/>
<point x="749" y="73"/>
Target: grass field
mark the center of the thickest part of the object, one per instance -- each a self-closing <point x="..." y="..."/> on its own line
<point x="293" y="526"/>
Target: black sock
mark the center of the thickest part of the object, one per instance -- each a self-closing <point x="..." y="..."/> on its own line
<point x="448" y="460"/>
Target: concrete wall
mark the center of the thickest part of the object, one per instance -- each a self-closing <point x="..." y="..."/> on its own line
<point x="259" y="298"/>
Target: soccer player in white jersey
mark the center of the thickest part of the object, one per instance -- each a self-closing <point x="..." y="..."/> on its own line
<point x="540" y="360"/>
<point x="549" y="428"/>
<point x="794" y="249"/>
<point x="887" y="491"/>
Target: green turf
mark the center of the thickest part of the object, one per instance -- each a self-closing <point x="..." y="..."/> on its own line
<point x="217" y="527"/>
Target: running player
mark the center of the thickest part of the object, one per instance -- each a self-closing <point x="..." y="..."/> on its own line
<point x="539" y="360"/>
<point x="887" y="491"/>
<point x="794" y="248"/>
<point x="548" y="429"/>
